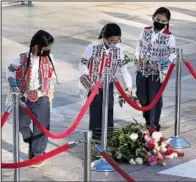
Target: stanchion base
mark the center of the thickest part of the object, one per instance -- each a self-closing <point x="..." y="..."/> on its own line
<point x="178" y="142"/>
<point x="101" y="165"/>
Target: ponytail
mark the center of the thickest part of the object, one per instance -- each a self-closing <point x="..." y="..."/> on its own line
<point x="53" y="69"/>
<point x="28" y="62"/>
<point x="102" y="32"/>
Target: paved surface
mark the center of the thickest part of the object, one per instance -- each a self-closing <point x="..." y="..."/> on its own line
<point x="74" y="25"/>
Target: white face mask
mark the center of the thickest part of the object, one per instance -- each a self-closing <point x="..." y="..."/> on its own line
<point x="109" y="44"/>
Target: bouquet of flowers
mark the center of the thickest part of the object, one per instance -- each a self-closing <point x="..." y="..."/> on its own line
<point x="129" y="57"/>
<point x="121" y="100"/>
<point x="139" y="144"/>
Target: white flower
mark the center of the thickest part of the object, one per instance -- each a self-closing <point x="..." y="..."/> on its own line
<point x="131" y="161"/>
<point x="149" y="153"/>
<point x="164" y="144"/>
<point x="155" y="151"/>
<point x="156" y="136"/>
<point x="164" y="164"/>
<point x="139" y="160"/>
<point x="175" y="154"/>
<point x="119" y="155"/>
<point x="133" y="137"/>
<point x="171" y="156"/>
<point x="163" y="149"/>
<point x="158" y="149"/>
<point x="156" y="145"/>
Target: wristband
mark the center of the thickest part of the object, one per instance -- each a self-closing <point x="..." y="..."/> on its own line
<point x="13" y="84"/>
<point x="84" y="79"/>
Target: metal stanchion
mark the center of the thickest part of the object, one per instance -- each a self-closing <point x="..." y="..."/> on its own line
<point x="102" y="164"/>
<point x="87" y="155"/>
<point x="16" y="139"/>
<point x="30" y="4"/>
<point x="178" y="142"/>
<point x="105" y="108"/>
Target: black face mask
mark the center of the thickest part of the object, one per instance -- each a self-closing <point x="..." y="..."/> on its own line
<point x="158" y="26"/>
<point x="45" y="53"/>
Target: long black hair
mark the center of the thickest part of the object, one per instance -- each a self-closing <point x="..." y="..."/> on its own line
<point x="110" y="29"/>
<point x="41" y="39"/>
<point x="163" y="11"/>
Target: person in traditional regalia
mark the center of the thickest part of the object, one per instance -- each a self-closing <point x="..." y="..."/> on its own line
<point x="32" y="75"/>
<point x="154" y="53"/>
<point x="92" y="66"/>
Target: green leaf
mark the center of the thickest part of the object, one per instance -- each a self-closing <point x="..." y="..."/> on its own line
<point x="129" y="57"/>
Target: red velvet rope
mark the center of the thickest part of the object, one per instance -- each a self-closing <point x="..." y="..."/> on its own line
<point x="4" y="118"/>
<point x="190" y="68"/>
<point x="75" y="123"/>
<point x="157" y="97"/>
<point x="37" y="159"/>
<point x="117" y="167"/>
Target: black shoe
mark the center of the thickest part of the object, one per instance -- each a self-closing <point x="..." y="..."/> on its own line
<point x="30" y="153"/>
<point x="158" y="127"/>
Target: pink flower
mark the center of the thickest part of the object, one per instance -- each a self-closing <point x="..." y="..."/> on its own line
<point x="160" y="156"/>
<point x="150" y="144"/>
<point x="155" y="151"/>
<point x="152" y="160"/>
<point x="147" y="137"/>
<point x="146" y="132"/>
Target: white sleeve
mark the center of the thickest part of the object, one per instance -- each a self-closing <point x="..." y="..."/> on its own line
<point x="172" y="49"/>
<point x="13" y="67"/>
<point x="123" y="70"/>
<point x="83" y="65"/>
<point x="139" y="45"/>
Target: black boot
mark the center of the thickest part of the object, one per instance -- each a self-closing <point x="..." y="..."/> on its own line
<point x="30" y="153"/>
<point x="158" y="127"/>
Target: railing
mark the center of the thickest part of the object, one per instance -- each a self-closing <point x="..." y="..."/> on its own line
<point x="105" y="163"/>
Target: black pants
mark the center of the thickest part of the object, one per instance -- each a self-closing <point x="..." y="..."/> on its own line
<point x="95" y="123"/>
<point x="35" y="138"/>
<point x="147" y="89"/>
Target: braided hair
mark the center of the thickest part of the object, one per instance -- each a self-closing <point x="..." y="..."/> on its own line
<point x="41" y="39"/>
